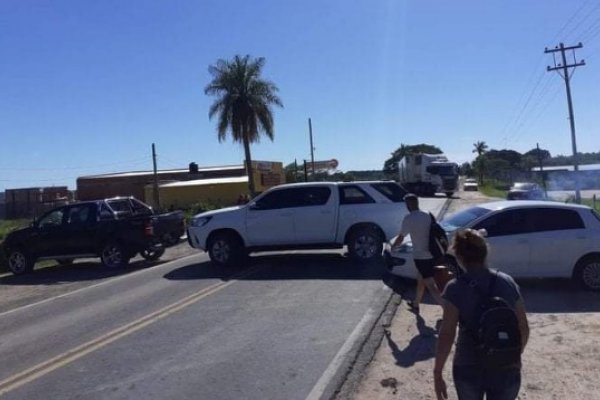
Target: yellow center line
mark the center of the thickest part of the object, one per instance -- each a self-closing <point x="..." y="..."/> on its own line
<point x="17" y="380"/>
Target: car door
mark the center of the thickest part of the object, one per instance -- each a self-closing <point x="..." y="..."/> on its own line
<point x="509" y="241"/>
<point x="48" y="237"/>
<point x="270" y="219"/>
<point x="558" y="240"/>
<point x="315" y="218"/>
<point x="80" y="224"/>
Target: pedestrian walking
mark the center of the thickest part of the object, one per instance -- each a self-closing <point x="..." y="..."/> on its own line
<point x="417" y="224"/>
<point x="489" y="311"/>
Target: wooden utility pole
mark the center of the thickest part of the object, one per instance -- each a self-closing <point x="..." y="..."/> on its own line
<point x="312" y="149"/>
<point x="156" y="196"/>
<point x="565" y="75"/>
<point x="540" y="161"/>
<point x="305" y="172"/>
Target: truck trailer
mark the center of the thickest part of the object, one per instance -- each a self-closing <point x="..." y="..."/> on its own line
<point x="428" y="174"/>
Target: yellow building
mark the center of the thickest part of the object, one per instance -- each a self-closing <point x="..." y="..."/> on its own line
<point x="184" y="194"/>
<point x="222" y="191"/>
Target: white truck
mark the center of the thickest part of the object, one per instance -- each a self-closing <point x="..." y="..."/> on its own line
<point x="428" y="174"/>
<point x="319" y="215"/>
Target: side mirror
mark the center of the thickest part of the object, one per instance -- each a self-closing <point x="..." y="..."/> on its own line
<point x="483" y="232"/>
<point x="253" y="206"/>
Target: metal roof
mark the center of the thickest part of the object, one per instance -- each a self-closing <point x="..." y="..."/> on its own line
<point x="203" y="182"/>
<point x="160" y="172"/>
<point x="583" y="167"/>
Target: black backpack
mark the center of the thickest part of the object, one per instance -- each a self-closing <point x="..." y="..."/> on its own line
<point x="438" y="240"/>
<point x="495" y="329"/>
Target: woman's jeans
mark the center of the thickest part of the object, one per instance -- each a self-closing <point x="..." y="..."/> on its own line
<point x="472" y="382"/>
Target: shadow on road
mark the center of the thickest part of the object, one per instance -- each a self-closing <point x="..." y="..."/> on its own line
<point x="76" y="272"/>
<point x="540" y="295"/>
<point x="286" y="267"/>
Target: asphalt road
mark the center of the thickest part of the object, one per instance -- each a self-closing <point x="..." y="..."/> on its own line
<point x="280" y="327"/>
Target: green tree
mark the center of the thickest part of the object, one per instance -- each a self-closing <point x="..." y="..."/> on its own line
<point x="466" y="169"/>
<point x="480" y="148"/>
<point x="243" y="103"/>
<point x="390" y="166"/>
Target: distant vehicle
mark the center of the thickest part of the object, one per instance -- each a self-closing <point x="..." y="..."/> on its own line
<point x="525" y="191"/>
<point x="102" y="228"/>
<point x="428" y="174"/>
<point x="361" y="215"/>
<point x="530" y="239"/>
<point x="470" y="184"/>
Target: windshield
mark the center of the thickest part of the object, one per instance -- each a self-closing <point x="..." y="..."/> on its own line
<point x="463" y="218"/>
<point x="442" y="169"/>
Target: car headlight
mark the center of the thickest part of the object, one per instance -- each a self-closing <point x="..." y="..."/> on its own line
<point x="200" y="221"/>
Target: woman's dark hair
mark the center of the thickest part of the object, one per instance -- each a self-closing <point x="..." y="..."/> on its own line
<point x="470" y="247"/>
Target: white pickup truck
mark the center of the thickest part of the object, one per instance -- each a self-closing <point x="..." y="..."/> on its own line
<point x="320" y="215"/>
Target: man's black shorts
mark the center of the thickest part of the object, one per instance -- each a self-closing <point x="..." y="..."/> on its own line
<point x="426" y="267"/>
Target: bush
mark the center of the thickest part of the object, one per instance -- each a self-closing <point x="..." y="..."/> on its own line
<point x="201" y="207"/>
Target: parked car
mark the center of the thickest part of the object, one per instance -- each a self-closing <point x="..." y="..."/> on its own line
<point x="470" y="184"/>
<point x="361" y="215"/>
<point x="82" y="230"/>
<point x="530" y="239"/>
<point x="525" y="191"/>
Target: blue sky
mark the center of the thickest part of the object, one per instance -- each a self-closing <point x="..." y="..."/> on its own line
<point x="87" y="86"/>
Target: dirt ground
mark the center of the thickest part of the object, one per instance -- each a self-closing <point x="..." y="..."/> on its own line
<point x="561" y="361"/>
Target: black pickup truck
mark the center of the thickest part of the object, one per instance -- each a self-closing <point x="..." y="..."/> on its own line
<point x="168" y="227"/>
<point x="86" y="229"/>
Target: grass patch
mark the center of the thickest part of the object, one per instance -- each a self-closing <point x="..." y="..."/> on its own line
<point x="201" y="207"/>
<point x="590" y="202"/>
<point x="7" y="226"/>
<point x="492" y="190"/>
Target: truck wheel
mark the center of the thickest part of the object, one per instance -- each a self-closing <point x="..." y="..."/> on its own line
<point x="20" y="262"/>
<point x="587" y="272"/>
<point x="365" y="244"/>
<point x="152" y="254"/>
<point x="113" y="255"/>
<point x="226" y="249"/>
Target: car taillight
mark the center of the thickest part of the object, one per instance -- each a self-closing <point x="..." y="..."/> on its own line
<point x="149" y="229"/>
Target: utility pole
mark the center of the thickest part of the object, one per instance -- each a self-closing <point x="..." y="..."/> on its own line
<point x="540" y="161"/>
<point x="156" y="197"/>
<point x="312" y="149"/>
<point x="305" y="172"/>
<point x="565" y="75"/>
<point x="295" y="170"/>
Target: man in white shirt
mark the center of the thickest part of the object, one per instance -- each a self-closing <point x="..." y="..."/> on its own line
<point x="417" y="224"/>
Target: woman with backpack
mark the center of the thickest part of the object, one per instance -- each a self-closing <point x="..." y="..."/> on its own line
<point x="488" y="309"/>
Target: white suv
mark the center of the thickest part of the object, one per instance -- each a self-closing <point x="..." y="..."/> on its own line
<point x="361" y="215"/>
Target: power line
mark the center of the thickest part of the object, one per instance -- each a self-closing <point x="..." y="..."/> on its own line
<point x="581" y="22"/>
<point x="583" y="5"/>
<point x="520" y="106"/>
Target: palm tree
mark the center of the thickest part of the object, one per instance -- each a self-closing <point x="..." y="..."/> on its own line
<point x="243" y="103"/>
<point x="480" y="148"/>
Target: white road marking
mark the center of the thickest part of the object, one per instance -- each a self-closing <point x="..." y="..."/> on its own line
<point x="318" y="390"/>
